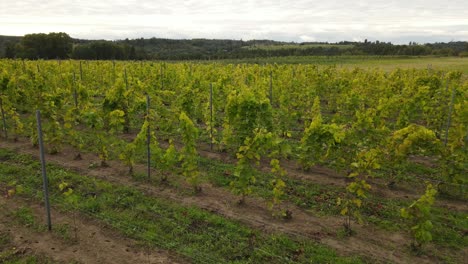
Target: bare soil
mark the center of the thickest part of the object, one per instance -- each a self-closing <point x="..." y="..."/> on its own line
<point x="95" y="243"/>
<point x="377" y="244"/>
<point x="325" y="176"/>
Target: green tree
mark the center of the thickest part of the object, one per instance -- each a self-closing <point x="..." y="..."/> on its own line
<point x="45" y="46"/>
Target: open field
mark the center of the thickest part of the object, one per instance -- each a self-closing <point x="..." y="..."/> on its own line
<point x="298" y="46"/>
<point x="274" y="163"/>
<point x="369" y="62"/>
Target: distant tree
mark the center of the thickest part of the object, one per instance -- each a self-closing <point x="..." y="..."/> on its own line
<point x="104" y="50"/>
<point x="59" y="45"/>
<point x="84" y="52"/>
<point x="45" y="46"/>
<point x="10" y="52"/>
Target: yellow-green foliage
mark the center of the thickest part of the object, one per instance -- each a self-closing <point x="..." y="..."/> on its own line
<point x="319" y="139"/>
<point x="245" y="111"/>
<point x="418" y="216"/>
<point x="412" y="139"/>
<point x="189" y="153"/>
<point x="363" y="166"/>
<point x="249" y="154"/>
<point x="170" y="156"/>
<point x="116" y="121"/>
<point x="278" y="186"/>
<point x="366" y="162"/>
<point x="261" y="144"/>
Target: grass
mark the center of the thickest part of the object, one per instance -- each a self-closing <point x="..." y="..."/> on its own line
<point x="321" y="199"/>
<point x="386" y="63"/>
<point x="298" y="46"/>
<point x="25" y="216"/>
<point x="196" y="234"/>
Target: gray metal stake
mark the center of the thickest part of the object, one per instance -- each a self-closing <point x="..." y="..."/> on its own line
<point x="162" y="80"/>
<point x="5" y="133"/>
<point x="113" y="73"/>
<point x="211" y="116"/>
<point x="449" y="118"/>
<point x="148" y="135"/>
<point x="271" y="88"/>
<point x="43" y="167"/>
<point x="81" y="72"/>
<point x="126" y="80"/>
<point x="75" y="95"/>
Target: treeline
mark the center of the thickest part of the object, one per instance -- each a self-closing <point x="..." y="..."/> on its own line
<point x="107" y="50"/>
<point x="62" y="46"/>
<point x="40" y="46"/>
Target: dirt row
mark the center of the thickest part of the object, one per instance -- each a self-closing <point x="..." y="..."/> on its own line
<point x="325" y="176"/>
<point x="378" y="244"/>
<point x="94" y="244"/>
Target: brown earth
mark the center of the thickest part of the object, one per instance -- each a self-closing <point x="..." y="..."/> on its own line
<point x="94" y="244"/>
<point x="325" y="176"/>
<point x="377" y="244"/>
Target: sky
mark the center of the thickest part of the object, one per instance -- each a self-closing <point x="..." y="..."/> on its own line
<point x="397" y="21"/>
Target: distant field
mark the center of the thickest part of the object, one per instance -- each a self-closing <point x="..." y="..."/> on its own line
<point x="368" y="62"/>
<point x="298" y="46"/>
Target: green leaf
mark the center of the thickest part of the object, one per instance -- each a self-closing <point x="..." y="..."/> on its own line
<point x="344" y="211"/>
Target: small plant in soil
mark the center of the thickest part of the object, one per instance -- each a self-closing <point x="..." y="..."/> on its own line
<point x="418" y="217"/>
<point x="169" y="160"/>
<point x="189" y="155"/>
<point x="72" y="199"/>
<point x="356" y="191"/>
<point x="278" y="187"/>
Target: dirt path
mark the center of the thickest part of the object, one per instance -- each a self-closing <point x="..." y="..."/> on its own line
<point x="95" y="244"/>
<point x="377" y="244"/>
<point x="325" y="176"/>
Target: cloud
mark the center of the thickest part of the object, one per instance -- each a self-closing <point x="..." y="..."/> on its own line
<point x="305" y="38"/>
<point x="301" y="20"/>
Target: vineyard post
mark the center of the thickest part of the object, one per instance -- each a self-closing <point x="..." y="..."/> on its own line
<point x="37" y="66"/>
<point x="81" y="72"/>
<point x="24" y="65"/>
<point x="441" y="129"/>
<point x="271" y="88"/>
<point x="466" y="137"/>
<point x="101" y="75"/>
<point x="161" y="73"/>
<point x="75" y="95"/>
<point x="449" y="117"/>
<point x="211" y="116"/>
<point x="43" y="167"/>
<point x="126" y="80"/>
<point x="148" y="136"/>
<point x="113" y="72"/>
<point x="5" y="133"/>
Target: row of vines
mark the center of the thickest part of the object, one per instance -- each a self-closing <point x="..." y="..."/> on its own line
<point x="360" y="123"/>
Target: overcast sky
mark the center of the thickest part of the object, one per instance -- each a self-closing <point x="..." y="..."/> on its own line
<point x="396" y="21"/>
